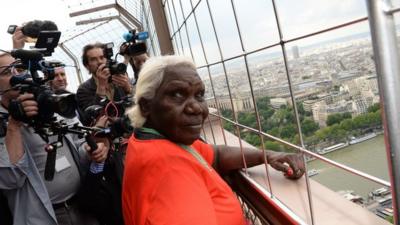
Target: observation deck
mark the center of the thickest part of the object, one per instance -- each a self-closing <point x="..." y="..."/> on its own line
<point x="305" y="60"/>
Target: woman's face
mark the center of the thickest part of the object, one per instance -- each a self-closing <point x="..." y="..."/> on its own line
<point x="178" y="110"/>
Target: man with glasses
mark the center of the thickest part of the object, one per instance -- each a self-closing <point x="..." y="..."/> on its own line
<point x="31" y="198"/>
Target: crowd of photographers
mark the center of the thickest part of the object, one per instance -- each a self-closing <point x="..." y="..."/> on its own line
<point x="62" y="160"/>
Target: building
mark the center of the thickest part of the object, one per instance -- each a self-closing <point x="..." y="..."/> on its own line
<point x="295" y="51"/>
<point x="276" y="103"/>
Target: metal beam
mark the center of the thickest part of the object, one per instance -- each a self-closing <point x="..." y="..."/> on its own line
<point x="123" y="22"/>
<point x="129" y="16"/>
<point x="161" y="26"/>
<point x="91" y="10"/>
<point x="92" y="28"/>
<point x="83" y="22"/>
<point x="383" y="33"/>
<point x="76" y="62"/>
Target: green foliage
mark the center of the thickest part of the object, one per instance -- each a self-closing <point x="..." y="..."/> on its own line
<point x="252" y="138"/>
<point x="308" y="126"/>
<point x="248" y="119"/>
<point x="263" y="103"/>
<point x="272" y="145"/>
<point x="390" y="219"/>
<point x="373" y="108"/>
<point x="281" y="123"/>
<point x="336" y="87"/>
<point x="288" y="131"/>
<point x="337" y="118"/>
<point x="227" y="114"/>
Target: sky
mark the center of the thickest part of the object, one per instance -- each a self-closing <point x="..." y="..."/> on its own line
<point x="256" y="21"/>
<point x="17" y="12"/>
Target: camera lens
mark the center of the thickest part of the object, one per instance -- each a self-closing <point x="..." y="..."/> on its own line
<point x="64" y="105"/>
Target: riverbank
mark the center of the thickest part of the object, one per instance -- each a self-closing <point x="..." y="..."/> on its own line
<point x="368" y="156"/>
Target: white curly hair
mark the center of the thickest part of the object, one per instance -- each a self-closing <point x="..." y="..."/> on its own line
<point x="150" y="78"/>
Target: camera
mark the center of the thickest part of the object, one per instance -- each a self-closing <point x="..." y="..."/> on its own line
<point x="43" y="33"/>
<point x="120" y="125"/>
<point x="113" y="65"/>
<point x="30" y="82"/>
<point x="48" y="104"/>
<point x="131" y="47"/>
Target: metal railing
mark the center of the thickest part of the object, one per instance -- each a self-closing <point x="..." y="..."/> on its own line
<point x="179" y="31"/>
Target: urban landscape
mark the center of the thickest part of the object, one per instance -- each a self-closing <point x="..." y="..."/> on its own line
<point x="337" y="98"/>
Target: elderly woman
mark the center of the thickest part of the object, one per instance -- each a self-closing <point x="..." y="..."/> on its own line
<point x="171" y="177"/>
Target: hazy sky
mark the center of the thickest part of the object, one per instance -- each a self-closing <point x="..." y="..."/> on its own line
<point x="256" y="21"/>
<point x="19" y="11"/>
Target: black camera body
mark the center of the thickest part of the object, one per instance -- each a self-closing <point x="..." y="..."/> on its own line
<point x="114" y="66"/>
<point x="48" y="104"/>
<point x="119" y="126"/>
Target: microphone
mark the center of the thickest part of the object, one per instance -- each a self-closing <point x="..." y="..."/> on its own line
<point x="129" y="36"/>
<point x="142" y="35"/>
<point x="22" y="79"/>
<point x="26" y="55"/>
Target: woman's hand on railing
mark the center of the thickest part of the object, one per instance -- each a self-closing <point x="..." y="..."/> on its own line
<point x="291" y="164"/>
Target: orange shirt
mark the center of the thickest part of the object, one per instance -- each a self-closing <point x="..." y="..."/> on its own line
<point x="165" y="184"/>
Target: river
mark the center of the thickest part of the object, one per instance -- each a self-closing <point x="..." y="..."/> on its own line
<point x="368" y="156"/>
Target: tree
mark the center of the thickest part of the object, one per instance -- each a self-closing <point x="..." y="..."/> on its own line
<point x="272" y="145"/>
<point x="263" y="103"/>
<point x="253" y="139"/>
<point x="288" y="131"/>
<point x="308" y="126"/>
<point x="373" y="108"/>
<point x="346" y="124"/>
<point x="337" y="118"/>
<point x="227" y="113"/>
<point x="248" y="119"/>
<point x="300" y="108"/>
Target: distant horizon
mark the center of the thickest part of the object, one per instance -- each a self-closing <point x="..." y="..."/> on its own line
<point x="273" y="55"/>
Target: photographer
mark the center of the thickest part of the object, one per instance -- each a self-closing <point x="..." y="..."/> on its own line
<point x="102" y="189"/>
<point x="99" y="88"/>
<point x="31" y="198"/>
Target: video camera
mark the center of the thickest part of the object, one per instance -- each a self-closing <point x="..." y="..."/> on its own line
<point x="45" y="123"/>
<point x="44" y="33"/>
<point x="132" y="47"/>
<point x="119" y="126"/>
<point x="48" y="102"/>
<point x="112" y="64"/>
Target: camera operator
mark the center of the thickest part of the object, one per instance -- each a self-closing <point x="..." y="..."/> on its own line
<point x="136" y="61"/>
<point x="31" y="198"/>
